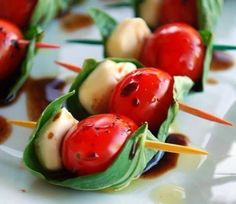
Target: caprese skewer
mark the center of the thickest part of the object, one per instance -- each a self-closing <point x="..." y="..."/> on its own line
<point x="125" y="87"/>
<point x="101" y="152"/>
<point x="16" y="53"/>
<point x="30" y="13"/>
<point x="176" y="48"/>
<point x="200" y="14"/>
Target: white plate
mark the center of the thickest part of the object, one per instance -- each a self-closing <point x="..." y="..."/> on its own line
<point x="195" y="180"/>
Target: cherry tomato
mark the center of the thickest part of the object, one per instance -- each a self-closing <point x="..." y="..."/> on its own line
<point x="17" y="11"/>
<point x="93" y="144"/>
<point x="179" y="11"/>
<point x="144" y="95"/>
<point x="11" y="53"/>
<point x="177" y="49"/>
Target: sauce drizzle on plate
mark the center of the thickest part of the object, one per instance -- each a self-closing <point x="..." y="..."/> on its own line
<point x="169" y="160"/>
<point x="221" y="61"/>
<point x="5" y="130"/>
<point x="39" y="93"/>
<point x="75" y="21"/>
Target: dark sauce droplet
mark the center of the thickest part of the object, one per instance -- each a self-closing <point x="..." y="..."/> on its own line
<point x="212" y="81"/>
<point x="221" y="61"/>
<point x="169" y="160"/>
<point x="75" y="21"/>
<point x="57" y="116"/>
<point x="129" y="88"/>
<point x="39" y="93"/>
<point x="5" y="130"/>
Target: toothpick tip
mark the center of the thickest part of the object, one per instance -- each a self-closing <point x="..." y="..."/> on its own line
<point x="71" y="67"/>
<point x="174" y="148"/>
<point x="23" y="123"/>
<point x="202" y="114"/>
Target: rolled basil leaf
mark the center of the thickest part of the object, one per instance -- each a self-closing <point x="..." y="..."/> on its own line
<point x="29" y="157"/>
<point x="208" y="13"/>
<point x="46" y="10"/>
<point x="123" y="170"/>
<point x="73" y="104"/>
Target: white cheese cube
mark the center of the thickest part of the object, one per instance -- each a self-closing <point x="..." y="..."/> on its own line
<point x="127" y="38"/>
<point x="95" y="92"/>
<point x="48" y="144"/>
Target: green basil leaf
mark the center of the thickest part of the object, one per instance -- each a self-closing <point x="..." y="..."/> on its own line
<point x="30" y="158"/>
<point x="208" y="42"/>
<point x="208" y="13"/>
<point x="73" y="104"/>
<point x="105" y="23"/>
<point x="46" y="10"/>
<point x="182" y="86"/>
<point x="133" y="61"/>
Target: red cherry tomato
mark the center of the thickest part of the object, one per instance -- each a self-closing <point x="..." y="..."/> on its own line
<point x="144" y="95"/>
<point x="177" y="49"/>
<point x="11" y="53"/>
<point x="17" y="11"/>
<point x="93" y="144"/>
<point x="179" y="11"/>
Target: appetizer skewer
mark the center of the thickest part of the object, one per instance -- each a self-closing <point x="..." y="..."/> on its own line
<point x="44" y="45"/>
<point x="176" y="48"/>
<point x="25" y="13"/>
<point x="69" y="153"/>
<point x="16" y="58"/>
<point x="149" y="144"/>
<point x="94" y="98"/>
<point x="200" y="14"/>
<point x="117" y="102"/>
<point x="28" y="17"/>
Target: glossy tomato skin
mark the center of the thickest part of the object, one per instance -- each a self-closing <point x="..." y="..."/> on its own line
<point x="144" y="95"/>
<point x="92" y="145"/>
<point x="18" y="12"/>
<point x="179" y="11"/>
<point x="11" y="53"/>
<point x="176" y="48"/>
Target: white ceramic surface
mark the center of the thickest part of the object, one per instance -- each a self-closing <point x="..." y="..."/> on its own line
<point x="195" y="180"/>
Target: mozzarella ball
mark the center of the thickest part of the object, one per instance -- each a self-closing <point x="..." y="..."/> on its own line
<point x="95" y="92"/>
<point x="48" y="143"/>
<point x="127" y="38"/>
